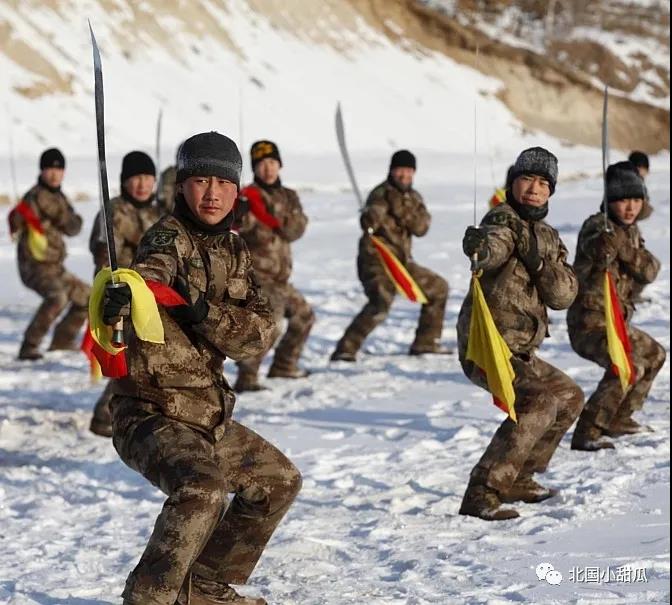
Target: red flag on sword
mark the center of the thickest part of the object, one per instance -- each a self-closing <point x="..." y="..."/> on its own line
<point x="114" y="366"/>
<point x="618" y="341"/>
<point x="403" y="282"/>
<point x="258" y="207"/>
<point x="37" y="240"/>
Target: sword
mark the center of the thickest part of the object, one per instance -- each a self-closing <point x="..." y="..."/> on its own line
<point x="605" y="153"/>
<point x="158" y="141"/>
<point x="106" y="215"/>
<point x="340" y="134"/>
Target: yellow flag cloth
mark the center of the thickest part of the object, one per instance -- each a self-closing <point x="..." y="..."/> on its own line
<point x="144" y="311"/>
<point x="37" y="244"/>
<point x="618" y="341"/>
<point x="487" y="349"/>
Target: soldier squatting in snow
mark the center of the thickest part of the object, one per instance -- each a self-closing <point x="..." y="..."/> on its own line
<point x="171" y="415"/>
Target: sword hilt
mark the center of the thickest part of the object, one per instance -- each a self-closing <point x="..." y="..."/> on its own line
<point x="118" y="328"/>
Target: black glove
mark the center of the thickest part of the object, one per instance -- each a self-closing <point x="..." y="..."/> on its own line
<point x="475" y="241"/>
<point x="194" y="311"/>
<point x="116" y="303"/>
<point x="528" y="250"/>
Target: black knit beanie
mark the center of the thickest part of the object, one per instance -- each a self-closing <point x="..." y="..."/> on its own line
<point x="639" y="159"/>
<point x="135" y="163"/>
<point x="624" y="183"/>
<point x="539" y="162"/>
<point x="261" y="150"/>
<point x="52" y="158"/>
<point x="209" y="154"/>
<point x="402" y="159"/>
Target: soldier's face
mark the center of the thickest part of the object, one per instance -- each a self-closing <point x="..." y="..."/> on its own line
<point x="403" y="176"/>
<point x="210" y="198"/>
<point x="643" y="171"/>
<point x="627" y="211"/>
<point x="531" y="189"/>
<point x="52" y="176"/>
<point x="267" y="170"/>
<point x="140" y="187"/>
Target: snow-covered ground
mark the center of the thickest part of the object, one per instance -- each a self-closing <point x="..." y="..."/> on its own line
<point x="385" y="445"/>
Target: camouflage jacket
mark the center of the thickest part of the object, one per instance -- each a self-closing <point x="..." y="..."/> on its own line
<point x="270" y="248"/>
<point x="130" y="223"/>
<point x="183" y="378"/>
<point x="628" y="261"/>
<point x="395" y="217"/>
<point x="517" y="300"/>
<point x="57" y="217"/>
<point x="165" y="192"/>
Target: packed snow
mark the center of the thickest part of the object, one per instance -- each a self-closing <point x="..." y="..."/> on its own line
<point x="385" y="445"/>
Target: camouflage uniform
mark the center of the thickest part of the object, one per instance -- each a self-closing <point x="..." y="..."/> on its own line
<point x="547" y="400"/>
<point x="130" y="221"/>
<point x="48" y="277"/>
<point x="395" y="216"/>
<point x="165" y="193"/>
<point x="172" y="421"/>
<point x="631" y="266"/>
<point x="272" y="262"/>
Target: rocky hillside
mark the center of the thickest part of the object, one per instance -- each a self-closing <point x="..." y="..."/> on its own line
<point x="277" y="68"/>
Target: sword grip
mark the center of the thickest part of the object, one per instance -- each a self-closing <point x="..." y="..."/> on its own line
<point x="118" y="334"/>
<point x="474" y="259"/>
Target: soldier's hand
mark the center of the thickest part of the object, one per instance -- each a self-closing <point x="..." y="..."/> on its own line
<point x="528" y="249"/>
<point x="608" y="246"/>
<point x="367" y="222"/>
<point x="475" y="242"/>
<point x="116" y="303"/>
<point x="195" y="311"/>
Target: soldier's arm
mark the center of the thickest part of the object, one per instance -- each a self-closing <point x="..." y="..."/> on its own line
<point x="374" y="211"/>
<point x="597" y="243"/>
<point x="500" y="241"/>
<point x="418" y="219"/>
<point x="556" y="281"/>
<point x="639" y="263"/>
<point x="253" y="231"/>
<point x="157" y="257"/>
<point x="239" y="329"/>
<point x="67" y="220"/>
<point x="293" y="224"/>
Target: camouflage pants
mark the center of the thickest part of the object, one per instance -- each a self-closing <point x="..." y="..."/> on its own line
<point x="547" y="404"/>
<point x="380" y="291"/>
<point x="58" y="288"/>
<point x="286" y="302"/>
<point x="101" y="411"/>
<point x="608" y="402"/>
<point x="196" y="531"/>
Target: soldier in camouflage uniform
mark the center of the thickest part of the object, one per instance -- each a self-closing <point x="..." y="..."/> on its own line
<point x="524" y="271"/>
<point x="172" y="413"/>
<point x="395" y="212"/>
<point x="620" y="250"/>
<point x="47" y="276"/>
<point x="132" y="214"/>
<point x="165" y="194"/>
<point x="274" y="220"/>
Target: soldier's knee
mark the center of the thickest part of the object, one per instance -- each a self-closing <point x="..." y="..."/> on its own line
<point x="294" y="481"/>
<point x="57" y="300"/>
<point x="576" y="398"/>
<point x="659" y="357"/>
<point x="210" y="491"/>
<point x="307" y="315"/>
<point x="440" y="289"/>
